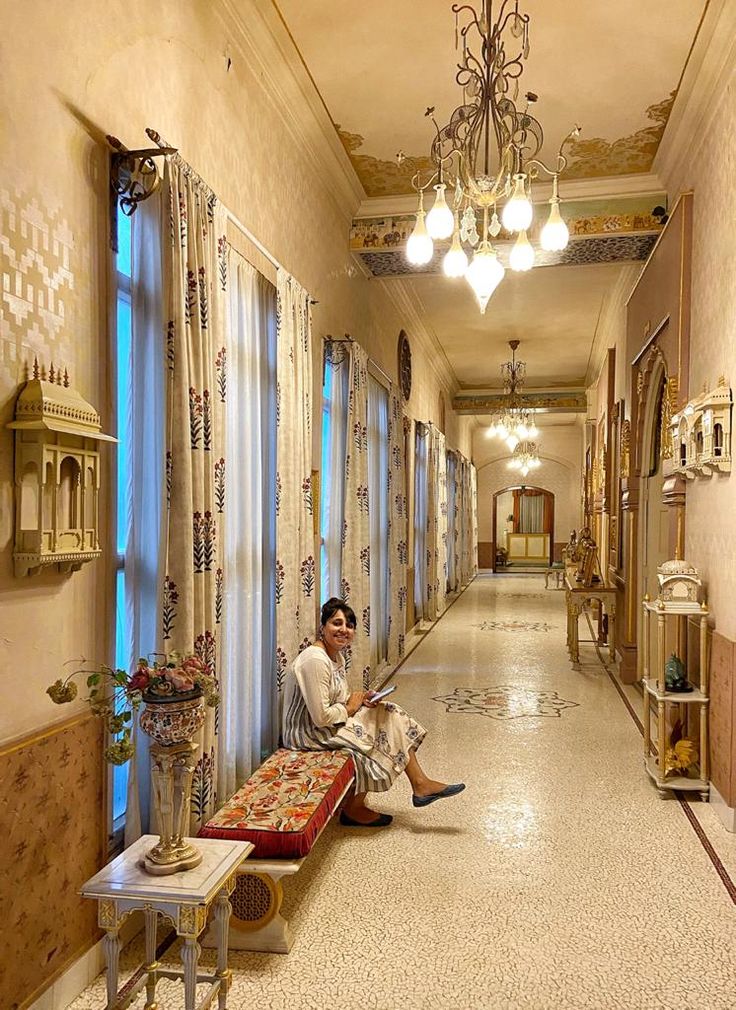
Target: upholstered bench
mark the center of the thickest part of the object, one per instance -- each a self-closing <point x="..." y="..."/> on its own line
<point x="282" y="809"/>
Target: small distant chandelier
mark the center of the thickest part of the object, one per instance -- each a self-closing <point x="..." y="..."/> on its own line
<point x="486" y="153"/>
<point x="514" y="423"/>
<point x="525" y="458"/>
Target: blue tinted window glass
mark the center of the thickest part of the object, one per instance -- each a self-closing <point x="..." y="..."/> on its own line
<point x="123" y="400"/>
<point x="123" y="258"/>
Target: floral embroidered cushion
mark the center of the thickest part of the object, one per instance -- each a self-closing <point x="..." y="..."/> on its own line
<point x="285" y="803"/>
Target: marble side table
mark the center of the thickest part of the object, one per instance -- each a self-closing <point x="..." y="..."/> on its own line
<point x="184" y="898"/>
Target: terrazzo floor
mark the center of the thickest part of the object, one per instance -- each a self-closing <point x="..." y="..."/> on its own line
<point x="558" y="879"/>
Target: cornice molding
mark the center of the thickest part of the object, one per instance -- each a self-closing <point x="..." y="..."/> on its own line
<point x="706" y="75"/>
<point x="263" y="41"/>
<point x="641" y="184"/>
<point x="405" y="301"/>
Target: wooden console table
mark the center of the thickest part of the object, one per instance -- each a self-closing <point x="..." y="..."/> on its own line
<point x="578" y="598"/>
<point x="183" y="898"/>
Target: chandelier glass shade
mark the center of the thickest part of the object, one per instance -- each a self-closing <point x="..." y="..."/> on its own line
<point x="525" y="458"/>
<point x="487" y="154"/>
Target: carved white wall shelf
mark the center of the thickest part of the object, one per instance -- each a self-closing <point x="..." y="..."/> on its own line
<point x="57" y="476"/>
<point x="701" y="435"/>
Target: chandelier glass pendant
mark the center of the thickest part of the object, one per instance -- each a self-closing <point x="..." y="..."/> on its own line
<point x="486" y="154"/>
<point x="525" y="458"/>
<point x="515" y="422"/>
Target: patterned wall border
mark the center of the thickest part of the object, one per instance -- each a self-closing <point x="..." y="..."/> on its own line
<point x="580" y="251"/>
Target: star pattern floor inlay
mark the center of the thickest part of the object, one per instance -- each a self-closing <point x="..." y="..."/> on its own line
<point x="557" y="881"/>
<point x="514" y="626"/>
<point x="505" y="702"/>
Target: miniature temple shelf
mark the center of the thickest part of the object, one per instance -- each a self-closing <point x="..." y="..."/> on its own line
<point x="701" y="435"/>
<point x="57" y="475"/>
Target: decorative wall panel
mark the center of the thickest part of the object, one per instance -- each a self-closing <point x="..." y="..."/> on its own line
<point x="51" y="825"/>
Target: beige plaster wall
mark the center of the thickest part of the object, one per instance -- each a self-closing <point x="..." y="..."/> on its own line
<point x="710" y="529"/>
<point x="71" y="74"/>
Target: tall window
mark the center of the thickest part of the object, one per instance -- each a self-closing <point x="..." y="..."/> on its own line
<point x="332" y="487"/>
<point x="123" y="313"/>
<point x="379" y="519"/>
<point x="140" y="405"/>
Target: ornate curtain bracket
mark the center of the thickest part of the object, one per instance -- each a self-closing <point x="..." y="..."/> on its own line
<point x="134" y="177"/>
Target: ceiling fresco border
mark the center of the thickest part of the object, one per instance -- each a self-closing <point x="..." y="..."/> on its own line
<point x="581" y="251"/>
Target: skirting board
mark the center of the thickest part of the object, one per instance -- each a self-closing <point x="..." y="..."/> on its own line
<point x="726" y="814"/>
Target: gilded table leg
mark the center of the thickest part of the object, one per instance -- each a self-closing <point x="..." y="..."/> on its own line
<point x="223" y="911"/>
<point x="151" y="964"/>
<point x="612" y="634"/>
<point x="190" y="959"/>
<point x="111" y="945"/>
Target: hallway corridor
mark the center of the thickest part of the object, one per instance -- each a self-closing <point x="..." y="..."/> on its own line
<point x="558" y="879"/>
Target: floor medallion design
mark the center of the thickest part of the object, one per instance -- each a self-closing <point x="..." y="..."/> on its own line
<point x="505" y="702"/>
<point x="514" y="626"/>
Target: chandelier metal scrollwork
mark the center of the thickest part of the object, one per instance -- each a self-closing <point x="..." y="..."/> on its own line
<point x="514" y="423"/>
<point x="487" y="152"/>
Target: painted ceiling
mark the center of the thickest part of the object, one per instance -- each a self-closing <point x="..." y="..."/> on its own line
<point x="614" y="68"/>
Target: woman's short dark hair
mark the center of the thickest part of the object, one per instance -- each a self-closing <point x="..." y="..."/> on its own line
<point x="332" y="606"/>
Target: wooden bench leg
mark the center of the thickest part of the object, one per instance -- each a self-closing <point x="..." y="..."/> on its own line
<point x="256" y="923"/>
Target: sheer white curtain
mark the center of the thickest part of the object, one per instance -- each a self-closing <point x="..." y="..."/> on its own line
<point x="248" y="730"/>
<point x="378" y="475"/>
<point x="531" y="513"/>
<point x="334" y="447"/>
<point x="145" y="423"/>
<point x="451" y="523"/>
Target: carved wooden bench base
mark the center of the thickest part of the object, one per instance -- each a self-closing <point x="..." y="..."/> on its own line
<point x="257" y="923"/>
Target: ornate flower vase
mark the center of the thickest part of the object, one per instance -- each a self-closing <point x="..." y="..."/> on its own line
<point x="171" y="722"/>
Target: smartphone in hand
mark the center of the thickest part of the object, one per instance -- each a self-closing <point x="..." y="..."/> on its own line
<point x="382" y="694"/>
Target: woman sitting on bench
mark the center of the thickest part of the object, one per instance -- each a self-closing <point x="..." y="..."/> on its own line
<point x="321" y="713"/>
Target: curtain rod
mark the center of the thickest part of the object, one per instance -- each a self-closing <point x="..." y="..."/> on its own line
<point x="157" y="139"/>
<point x="347" y="339"/>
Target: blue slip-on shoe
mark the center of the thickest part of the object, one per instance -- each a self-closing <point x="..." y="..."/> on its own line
<point x="424" y="801"/>
<point x="381" y="821"/>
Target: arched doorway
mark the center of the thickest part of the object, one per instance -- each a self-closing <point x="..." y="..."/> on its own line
<point x="523" y="526"/>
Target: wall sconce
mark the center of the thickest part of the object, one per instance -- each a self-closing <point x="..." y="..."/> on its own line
<point x="57" y="475"/>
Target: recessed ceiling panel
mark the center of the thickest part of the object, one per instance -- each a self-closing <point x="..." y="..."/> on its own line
<point x="553" y="312"/>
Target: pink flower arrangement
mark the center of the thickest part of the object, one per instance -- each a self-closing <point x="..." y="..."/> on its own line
<point x="115" y="695"/>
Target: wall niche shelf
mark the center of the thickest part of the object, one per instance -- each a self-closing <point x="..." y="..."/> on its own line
<point x="673" y="618"/>
<point x="57" y="475"/>
<point x="700" y="435"/>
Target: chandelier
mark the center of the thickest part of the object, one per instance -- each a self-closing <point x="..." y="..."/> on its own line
<point x="525" y="458"/>
<point x="514" y="423"/>
<point x="486" y="153"/>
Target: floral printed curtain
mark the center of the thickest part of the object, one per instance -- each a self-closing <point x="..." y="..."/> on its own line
<point x="436" y="523"/>
<point x="473" y="510"/>
<point x="196" y="281"/>
<point x="398" y="529"/>
<point x="297" y="582"/>
<point x="356" y="555"/>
